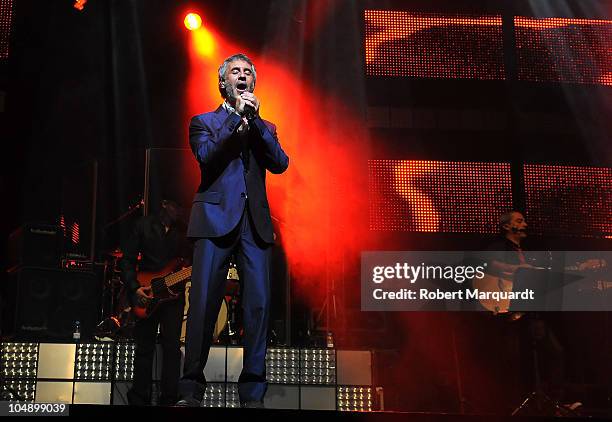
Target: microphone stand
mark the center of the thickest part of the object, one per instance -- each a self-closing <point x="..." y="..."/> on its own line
<point x="130" y="211"/>
<point x="109" y="322"/>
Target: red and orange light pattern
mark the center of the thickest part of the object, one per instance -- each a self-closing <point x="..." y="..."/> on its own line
<point x="433" y="45"/>
<point x="564" y="50"/>
<point x="6" y="16"/>
<point x="568" y="200"/>
<point x="438" y="196"/>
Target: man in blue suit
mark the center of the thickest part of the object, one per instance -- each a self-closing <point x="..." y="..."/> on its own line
<point x="231" y="215"/>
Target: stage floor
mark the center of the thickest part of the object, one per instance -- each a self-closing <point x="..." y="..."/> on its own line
<point x="218" y="414"/>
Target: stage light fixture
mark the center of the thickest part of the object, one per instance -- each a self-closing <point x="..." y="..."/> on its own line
<point x="24" y="389"/>
<point x="283" y="365"/>
<point x="193" y="21"/>
<point x="214" y="395"/>
<point x="94" y="361"/>
<point x="79" y="5"/>
<point x="232" y="399"/>
<point x="318" y="366"/>
<point x="221" y="395"/>
<point x="355" y="399"/>
<point x="124" y="361"/>
<point x="19" y="360"/>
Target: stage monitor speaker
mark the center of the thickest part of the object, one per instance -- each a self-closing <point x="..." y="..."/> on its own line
<point x="49" y="302"/>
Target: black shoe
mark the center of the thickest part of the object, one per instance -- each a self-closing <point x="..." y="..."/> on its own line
<point x="252" y="405"/>
<point x="188" y="401"/>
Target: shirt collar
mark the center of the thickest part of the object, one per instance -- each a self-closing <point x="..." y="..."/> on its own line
<point x="228" y="107"/>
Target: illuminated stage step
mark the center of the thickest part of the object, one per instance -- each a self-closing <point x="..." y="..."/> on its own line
<point x="101" y="373"/>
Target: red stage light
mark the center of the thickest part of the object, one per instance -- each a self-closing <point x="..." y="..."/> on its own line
<point x="79" y="5"/>
<point x="193" y="21"/>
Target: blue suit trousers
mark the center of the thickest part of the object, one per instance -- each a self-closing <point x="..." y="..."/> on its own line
<point x="211" y="260"/>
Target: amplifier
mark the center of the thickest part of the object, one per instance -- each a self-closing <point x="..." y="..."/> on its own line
<point x="35" y="245"/>
<point x="72" y="264"/>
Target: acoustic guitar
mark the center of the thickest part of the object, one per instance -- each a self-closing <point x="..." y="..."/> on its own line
<point x="505" y="283"/>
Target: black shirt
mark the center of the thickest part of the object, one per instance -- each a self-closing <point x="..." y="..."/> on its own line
<point x="504" y="250"/>
<point x="156" y="246"/>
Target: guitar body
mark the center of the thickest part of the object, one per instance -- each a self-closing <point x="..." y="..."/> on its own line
<point x="504" y="283"/>
<point x="165" y="285"/>
<point x="491" y="283"/>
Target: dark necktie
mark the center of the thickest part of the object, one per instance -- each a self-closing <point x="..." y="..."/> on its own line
<point x="244" y="142"/>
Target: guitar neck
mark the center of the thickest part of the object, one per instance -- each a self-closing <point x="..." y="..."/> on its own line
<point x="177" y="277"/>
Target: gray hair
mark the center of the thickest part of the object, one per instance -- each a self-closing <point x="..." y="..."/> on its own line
<point x="225" y="64"/>
<point x="506" y="218"/>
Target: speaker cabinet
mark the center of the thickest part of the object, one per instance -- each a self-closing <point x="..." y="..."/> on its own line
<point x="35" y="245"/>
<point x="48" y="302"/>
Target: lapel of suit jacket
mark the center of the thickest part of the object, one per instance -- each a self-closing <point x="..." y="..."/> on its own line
<point x="220" y="115"/>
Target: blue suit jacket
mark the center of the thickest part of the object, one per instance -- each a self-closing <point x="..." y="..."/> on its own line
<point x="225" y="182"/>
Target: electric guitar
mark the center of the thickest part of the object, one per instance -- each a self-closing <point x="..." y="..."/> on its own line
<point x="505" y="283"/>
<point x="165" y="285"/>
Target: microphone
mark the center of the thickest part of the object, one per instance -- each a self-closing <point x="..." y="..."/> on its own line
<point x="249" y="112"/>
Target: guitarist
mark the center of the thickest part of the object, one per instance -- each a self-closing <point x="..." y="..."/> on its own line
<point x="532" y="331"/>
<point x="159" y="241"/>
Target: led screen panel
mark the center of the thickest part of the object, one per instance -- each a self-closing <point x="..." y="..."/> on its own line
<point x="567" y="200"/>
<point x="564" y="50"/>
<point x="438" y="196"/>
<point x="433" y="45"/>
